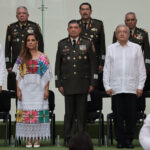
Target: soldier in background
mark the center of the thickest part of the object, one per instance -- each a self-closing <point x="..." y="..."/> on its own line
<point x="139" y="36"/>
<point x="75" y="75"/>
<point x="93" y="29"/>
<point x="15" y="36"/>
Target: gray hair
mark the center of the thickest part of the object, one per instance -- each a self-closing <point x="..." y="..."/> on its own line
<point x="122" y="25"/>
<point x="130" y="13"/>
<point x="22" y="7"/>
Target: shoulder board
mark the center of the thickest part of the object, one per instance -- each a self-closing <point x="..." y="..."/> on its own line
<point x="31" y="22"/>
<point x="11" y="25"/>
<point x="86" y="38"/>
<point x="142" y="29"/>
<point x="63" y="40"/>
<point x="96" y="20"/>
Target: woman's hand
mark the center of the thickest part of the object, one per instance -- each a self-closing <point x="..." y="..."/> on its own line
<point x="46" y="94"/>
<point x="19" y="95"/>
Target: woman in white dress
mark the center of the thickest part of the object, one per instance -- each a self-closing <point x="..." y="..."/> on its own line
<point x="33" y="74"/>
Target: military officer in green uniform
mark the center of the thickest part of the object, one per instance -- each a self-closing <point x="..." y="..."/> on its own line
<point x="75" y="76"/>
<point x="93" y="29"/>
<point x="15" y="36"/>
<point x="139" y="36"/>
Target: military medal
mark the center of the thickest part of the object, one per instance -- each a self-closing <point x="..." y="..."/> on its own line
<point x="94" y="29"/>
<point x="9" y="38"/>
<point x="85" y="57"/>
<point x="92" y="36"/>
<point x="30" y="30"/>
<point x="139" y="37"/>
<point x="134" y="35"/>
<point x="68" y="57"/>
<point x="78" y="42"/>
<point x="82" y="47"/>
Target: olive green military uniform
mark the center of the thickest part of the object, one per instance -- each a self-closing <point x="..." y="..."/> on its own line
<point x="75" y="71"/>
<point x="94" y="30"/>
<point x="15" y="39"/>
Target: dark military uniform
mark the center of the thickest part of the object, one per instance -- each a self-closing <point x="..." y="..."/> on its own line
<point x="15" y="39"/>
<point x="75" y="71"/>
<point x="95" y="31"/>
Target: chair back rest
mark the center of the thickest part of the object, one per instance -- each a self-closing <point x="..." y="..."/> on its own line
<point x="11" y="81"/>
<point x="5" y="102"/>
<point x="51" y="100"/>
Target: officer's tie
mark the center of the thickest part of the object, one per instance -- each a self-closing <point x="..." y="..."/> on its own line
<point x="74" y="43"/>
<point x="23" y="27"/>
<point x="130" y="33"/>
<point x="85" y="26"/>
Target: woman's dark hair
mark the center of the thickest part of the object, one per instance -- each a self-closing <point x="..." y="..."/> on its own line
<point x="81" y="141"/>
<point x="25" y="54"/>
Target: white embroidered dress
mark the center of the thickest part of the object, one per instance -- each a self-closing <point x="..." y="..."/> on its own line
<point x="32" y="119"/>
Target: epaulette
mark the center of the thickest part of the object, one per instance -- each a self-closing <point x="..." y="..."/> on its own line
<point x="143" y="30"/>
<point x="96" y="20"/>
<point x="32" y="22"/>
<point x="11" y="25"/>
<point x="86" y="38"/>
<point x="63" y="40"/>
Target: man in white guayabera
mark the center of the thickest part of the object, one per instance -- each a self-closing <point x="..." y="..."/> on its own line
<point x="124" y="78"/>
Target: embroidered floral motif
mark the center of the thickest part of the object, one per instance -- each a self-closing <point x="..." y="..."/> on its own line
<point x="31" y="116"/>
<point x="42" y="68"/>
<point x="33" y="66"/>
<point x="38" y="66"/>
<point x="43" y="116"/>
<point x="19" y="116"/>
<point x="23" y="69"/>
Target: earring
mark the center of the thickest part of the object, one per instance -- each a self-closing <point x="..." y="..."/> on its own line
<point x="37" y="47"/>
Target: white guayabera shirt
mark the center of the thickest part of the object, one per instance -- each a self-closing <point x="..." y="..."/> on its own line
<point x="124" y="69"/>
<point x="2" y="66"/>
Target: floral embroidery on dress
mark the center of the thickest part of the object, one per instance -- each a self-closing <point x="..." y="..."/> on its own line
<point x="33" y="66"/>
<point x="31" y="116"/>
<point x="23" y="69"/>
<point x="42" y="68"/>
<point x="43" y="116"/>
<point x="37" y="66"/>
<point x="19" y="116"/>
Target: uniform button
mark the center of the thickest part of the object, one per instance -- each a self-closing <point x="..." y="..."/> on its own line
<point x="74" y="58"/>
<point x="74" y="73"/>
<point x="22" y="35"/>
<point x="80" y="57"/>
<point x="22" y="41"/>
<point x="85" y="57"/>
<point x="74" y="51"/>
<point x="74" y="65"/>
